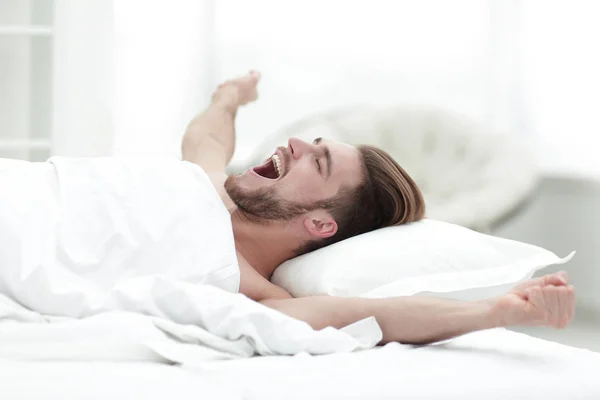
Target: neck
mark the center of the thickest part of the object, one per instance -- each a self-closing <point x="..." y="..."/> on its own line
<point x="263" y="244"/>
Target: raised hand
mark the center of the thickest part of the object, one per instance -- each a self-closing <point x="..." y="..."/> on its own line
<point x="239" y="91"/>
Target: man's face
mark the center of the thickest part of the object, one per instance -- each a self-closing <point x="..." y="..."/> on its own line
<point x="296" y="179"/>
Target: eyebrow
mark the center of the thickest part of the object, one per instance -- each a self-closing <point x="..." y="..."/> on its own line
<point x="327" y="156"/>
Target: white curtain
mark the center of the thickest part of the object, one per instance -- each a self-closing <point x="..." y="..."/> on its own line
<point x="162" y="67"/>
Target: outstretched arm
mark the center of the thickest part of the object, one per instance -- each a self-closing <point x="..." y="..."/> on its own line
<point x="547" y="301"/>
<point x="209" y="140"/>
<point x="414" y="320"/>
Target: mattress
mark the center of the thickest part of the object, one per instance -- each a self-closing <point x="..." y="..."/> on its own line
<point x="493" y="364"/>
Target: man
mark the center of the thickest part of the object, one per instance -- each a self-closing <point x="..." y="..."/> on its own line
<point x="83" y="236"/>
<point x="309" y="195"/>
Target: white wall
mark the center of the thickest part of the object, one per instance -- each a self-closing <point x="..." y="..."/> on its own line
<point x="83" y="86"/>
<point x="561" y="77"/>
<point x="564" y="216"/>
<point x="15" y="81"/>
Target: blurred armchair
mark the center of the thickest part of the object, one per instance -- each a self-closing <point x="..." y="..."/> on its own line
<point x="469" y="176"/>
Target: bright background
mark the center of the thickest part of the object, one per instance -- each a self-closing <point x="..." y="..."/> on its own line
<point x="126" y="76"/>
<point x="97" y="77"/>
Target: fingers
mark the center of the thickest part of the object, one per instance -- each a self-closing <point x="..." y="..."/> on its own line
<point x="552" y="307"/>
<point x="254" y="73"/>
<point x="571" y="302"/>
<point x="563" y="310"/>
<point x="557" y="279"/>
<point x="567" y="303"/>
<point x="556" y="304"/>
<point x="538" y="305"/>
<point x="563" y="275"/>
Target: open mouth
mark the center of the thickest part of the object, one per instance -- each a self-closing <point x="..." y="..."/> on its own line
<point x="271" y="169"/>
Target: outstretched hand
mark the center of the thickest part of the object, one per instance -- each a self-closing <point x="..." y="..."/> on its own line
<point x="546" y="301"/>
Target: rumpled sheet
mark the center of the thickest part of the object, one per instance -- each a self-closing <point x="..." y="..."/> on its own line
<point x="209" y="323"/>
<point x="129" y="259"/>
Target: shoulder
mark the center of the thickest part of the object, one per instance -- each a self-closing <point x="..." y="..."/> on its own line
<point x="218" y="181"/>
<point x="257" y="287"/>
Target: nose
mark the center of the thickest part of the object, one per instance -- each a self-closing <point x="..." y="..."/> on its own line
<point x="299" y="147"/>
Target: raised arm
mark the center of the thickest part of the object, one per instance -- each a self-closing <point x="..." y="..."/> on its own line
<point x="546" y="301"/>
<point x="209" y="140"/>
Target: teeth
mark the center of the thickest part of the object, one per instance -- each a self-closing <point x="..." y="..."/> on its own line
<point x="277" y="162"/>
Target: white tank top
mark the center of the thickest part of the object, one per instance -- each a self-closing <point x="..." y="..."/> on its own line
<point x="80" y="227"/>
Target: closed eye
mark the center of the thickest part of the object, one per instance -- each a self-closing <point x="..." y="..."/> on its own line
<point x="318" y="165"/>
<point x="327" y="154"/>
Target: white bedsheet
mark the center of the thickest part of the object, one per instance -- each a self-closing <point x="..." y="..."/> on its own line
<point x="125" y="355"/>
<point x="104" y="380"/>
<point x="493" y="364"/>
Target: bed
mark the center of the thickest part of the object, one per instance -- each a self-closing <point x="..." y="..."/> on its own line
<point x="492" y="364"/>
<point x="92" y="358"/>
<point x="103" y="380"/>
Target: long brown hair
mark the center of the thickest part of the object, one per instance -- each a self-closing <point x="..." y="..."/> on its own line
<point x="387" y="196"/>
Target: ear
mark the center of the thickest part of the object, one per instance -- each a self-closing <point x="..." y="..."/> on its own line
<point x="320" y="224"/>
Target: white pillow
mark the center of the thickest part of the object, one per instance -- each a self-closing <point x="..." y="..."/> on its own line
<point x="424" y="257"/>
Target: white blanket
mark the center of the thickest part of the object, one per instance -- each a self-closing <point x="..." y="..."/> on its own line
<point x="83" y="236"/>
<point x="215" y="324"/>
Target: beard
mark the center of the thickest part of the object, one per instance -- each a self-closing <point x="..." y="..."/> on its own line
<point x="265" y="203"/>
